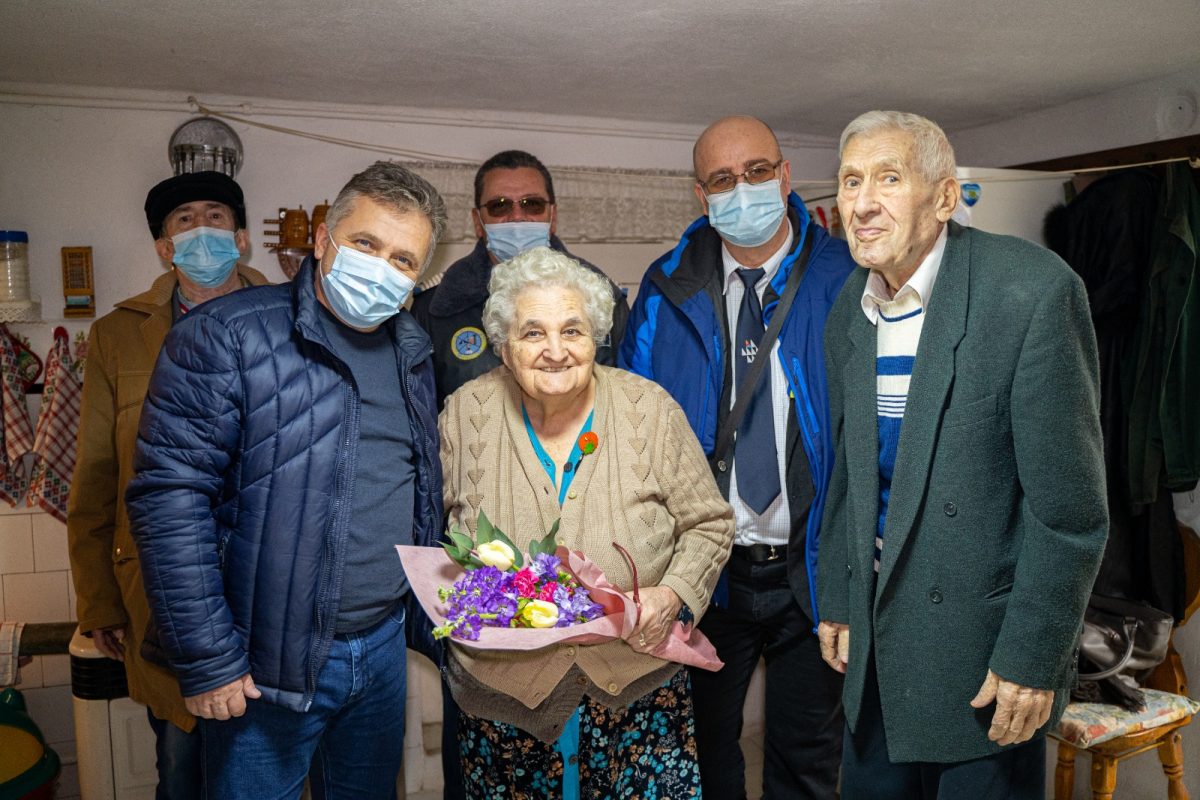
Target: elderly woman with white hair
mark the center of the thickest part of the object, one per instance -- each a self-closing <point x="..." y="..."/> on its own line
<point x="572" y="721"/>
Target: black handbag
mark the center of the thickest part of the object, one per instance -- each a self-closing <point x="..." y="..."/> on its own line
<point x="1121" y="643"/>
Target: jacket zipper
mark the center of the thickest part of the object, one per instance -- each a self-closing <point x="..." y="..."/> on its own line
<point x="321" y="641"/>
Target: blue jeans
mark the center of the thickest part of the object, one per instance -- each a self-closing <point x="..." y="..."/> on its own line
<point x="352" y="736"/>
<point x="177" y="759"/>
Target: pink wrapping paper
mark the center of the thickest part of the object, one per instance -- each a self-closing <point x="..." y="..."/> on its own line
<point x="429" y="568"/>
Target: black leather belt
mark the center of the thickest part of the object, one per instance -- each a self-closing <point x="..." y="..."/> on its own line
<point x="760" y="553"/>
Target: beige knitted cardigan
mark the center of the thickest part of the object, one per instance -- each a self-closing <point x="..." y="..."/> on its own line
<point x="647" y="486"/>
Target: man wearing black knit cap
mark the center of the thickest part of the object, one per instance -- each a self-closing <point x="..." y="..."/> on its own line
<point x="198" y="221"/>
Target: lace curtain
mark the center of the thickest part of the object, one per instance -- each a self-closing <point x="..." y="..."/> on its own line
<point x="594" y="204"/>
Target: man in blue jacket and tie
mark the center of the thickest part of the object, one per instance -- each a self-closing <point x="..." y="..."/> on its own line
<point x="697" y="328"/>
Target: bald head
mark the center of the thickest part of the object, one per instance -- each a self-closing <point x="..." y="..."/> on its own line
<point x="737" y="158"/>
<point x="729" y="137"/>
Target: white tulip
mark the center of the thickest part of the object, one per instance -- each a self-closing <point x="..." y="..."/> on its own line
<point x="496" y="554"/>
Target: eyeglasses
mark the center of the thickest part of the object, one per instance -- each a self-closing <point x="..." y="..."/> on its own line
<point x="725" y="181"/>
<point x="504" y="206"/>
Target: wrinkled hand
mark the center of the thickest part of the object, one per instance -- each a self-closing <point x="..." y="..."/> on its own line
<point x="835" y="644"/>
<point x="660" y="607"/>
<point x="110" y="641"/>
<point x="224" y="701"/>
<point x="1020" y="710"/>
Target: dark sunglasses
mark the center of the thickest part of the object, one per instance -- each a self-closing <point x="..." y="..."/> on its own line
<point x="503" y="206"/>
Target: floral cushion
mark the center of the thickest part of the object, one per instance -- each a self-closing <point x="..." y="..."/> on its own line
<point x="1086" y="724"/>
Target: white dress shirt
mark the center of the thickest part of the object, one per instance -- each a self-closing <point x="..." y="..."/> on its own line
<point x="774" y="525"/>
<point x="877" y="292"/>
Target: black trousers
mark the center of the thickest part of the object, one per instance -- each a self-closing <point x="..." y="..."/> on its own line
<point x="802" y="742"/>
<point x="452" y="778"/>
<point x="1017" y="773"/>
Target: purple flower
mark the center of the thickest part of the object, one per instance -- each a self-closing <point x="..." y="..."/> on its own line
<point x="544" y="566"/>
<point x="575" y="606"/>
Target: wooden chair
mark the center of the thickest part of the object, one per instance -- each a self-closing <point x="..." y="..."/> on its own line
<point x="1166" y="739"/>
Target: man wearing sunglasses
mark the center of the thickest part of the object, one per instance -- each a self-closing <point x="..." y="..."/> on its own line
<point x="514" y="212"/>
<point x="701" y="314"/>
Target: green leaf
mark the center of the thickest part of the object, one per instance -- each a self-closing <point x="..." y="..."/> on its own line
<point x="484" y="530"/>
<point x="548" y="543"/>
<point x="450" y="545"/>
<point x="455" y="555"/>
<point x="463" y="541"/>
<point x="535" y="549"/>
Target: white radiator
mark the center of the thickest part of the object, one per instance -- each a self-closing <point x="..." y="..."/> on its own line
<point x="114" y="739"/>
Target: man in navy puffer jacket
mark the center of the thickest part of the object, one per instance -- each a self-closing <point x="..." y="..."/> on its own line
<point x="288" y="442"/>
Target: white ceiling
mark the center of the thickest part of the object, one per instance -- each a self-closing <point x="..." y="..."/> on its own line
<point x="806" y="66"/>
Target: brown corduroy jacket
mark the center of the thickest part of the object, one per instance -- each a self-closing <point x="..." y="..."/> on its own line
<point x="647" y="486"/>
<point x="122" y="348"/>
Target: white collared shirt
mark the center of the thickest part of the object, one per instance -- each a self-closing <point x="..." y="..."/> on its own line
<point x="877" y="292"/>
<point x="774" y="525"/>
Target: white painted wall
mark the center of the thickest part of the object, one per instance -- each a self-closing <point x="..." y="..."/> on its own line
<point x="1166" y="108"/>
<point x="77" y="174"/>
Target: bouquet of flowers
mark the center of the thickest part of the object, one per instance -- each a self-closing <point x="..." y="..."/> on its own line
<point x="489" y="595"/>
<point x="502" y="588"/>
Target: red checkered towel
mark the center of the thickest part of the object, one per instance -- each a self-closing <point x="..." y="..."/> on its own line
<point x="17" y="431"/>
<point x="58" y="423"/>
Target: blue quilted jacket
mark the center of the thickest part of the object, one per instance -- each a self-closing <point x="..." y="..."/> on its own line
<point x="244" y="473"/>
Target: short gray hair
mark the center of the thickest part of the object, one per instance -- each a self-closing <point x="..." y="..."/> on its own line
<point x="542" y="266"/>
<point x="396" y="187"/>
<point x="935" y="156"/>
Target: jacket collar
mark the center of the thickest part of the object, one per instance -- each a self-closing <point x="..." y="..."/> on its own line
<point x="156" y="301"/>
<point x="464" y="284"/>
<point x="410" y="339"/>
<point x="688" y="269"/>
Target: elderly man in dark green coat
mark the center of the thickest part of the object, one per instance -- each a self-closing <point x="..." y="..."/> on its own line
<point x="967" y="512"/>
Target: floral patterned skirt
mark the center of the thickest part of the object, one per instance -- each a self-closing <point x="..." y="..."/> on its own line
<point x="646" y="750"/>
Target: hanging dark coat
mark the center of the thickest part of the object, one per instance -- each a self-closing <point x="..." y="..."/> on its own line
<point x="1105" y="235"/>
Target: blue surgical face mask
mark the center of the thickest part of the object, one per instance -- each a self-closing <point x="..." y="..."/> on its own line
<point x="749" y="214"/>
<point x="508" y="239"/>
<point x="206" y="255"/>
<point x="364" y="291"/>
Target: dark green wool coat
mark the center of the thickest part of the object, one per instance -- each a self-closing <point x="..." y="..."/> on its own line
<point x="997" y="516"/>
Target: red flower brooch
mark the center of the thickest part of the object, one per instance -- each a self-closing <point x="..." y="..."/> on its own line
<point x="588" y="443"/>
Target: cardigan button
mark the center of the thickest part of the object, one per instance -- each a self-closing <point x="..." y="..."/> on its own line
<point x="935" y="596"/>
<point x="612" y="688"/>
<point x="581" y="680"/>
<point x="950" y="509"/>
<point x="571" y="650"/>
<point x="722" y="466"/>
<point x="571" y="495"/>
